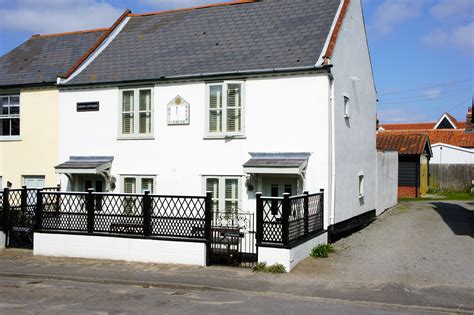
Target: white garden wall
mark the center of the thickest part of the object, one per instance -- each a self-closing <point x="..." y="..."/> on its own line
<point x="117" y="248"/>
<point x="387" y="181"/>
<point x="289" y="257"/>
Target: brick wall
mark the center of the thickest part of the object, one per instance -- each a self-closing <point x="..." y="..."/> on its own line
<point x="407" y="192"/>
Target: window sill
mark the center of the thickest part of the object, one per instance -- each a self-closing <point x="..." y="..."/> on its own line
<point x="135" y="138"/>
<point x="9" y="139"/>
<point x="224" y="137"/>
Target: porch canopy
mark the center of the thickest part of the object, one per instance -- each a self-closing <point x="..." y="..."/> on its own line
<point x="277" y="163"/>
<point x="85" y="165"/>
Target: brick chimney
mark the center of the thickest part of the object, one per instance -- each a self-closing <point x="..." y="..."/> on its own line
<point x="469" y="121"/>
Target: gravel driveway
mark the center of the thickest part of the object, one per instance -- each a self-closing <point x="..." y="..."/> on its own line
<point x="416" y="243"/>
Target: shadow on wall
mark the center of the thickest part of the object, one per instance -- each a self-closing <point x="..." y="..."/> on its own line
<point x="458" y="218"/>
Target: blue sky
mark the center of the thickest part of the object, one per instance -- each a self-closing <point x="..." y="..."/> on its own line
<point x="422" y="50"/>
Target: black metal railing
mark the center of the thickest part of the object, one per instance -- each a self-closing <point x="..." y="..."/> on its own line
<point x="289" y="219"/>
<point x="186" y="217"/>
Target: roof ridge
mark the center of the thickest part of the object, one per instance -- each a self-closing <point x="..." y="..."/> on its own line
<point x="96" y="45"/>
<point x="70" y="33"/>
<point x="206" y="6"/>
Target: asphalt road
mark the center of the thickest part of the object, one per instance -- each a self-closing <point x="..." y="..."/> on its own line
<point x="40" y="296"/>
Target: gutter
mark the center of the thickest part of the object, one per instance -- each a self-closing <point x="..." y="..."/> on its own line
<point x="208" y="75"/>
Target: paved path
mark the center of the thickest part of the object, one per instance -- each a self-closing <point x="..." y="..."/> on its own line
<point x="418" y="255"/>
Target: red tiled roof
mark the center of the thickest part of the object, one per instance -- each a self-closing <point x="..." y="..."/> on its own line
<point x="456" y="137"/>
<point x="409" y="126"/>
<point x="406" y="144"/>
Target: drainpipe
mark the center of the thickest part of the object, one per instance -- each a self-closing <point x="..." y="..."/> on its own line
<point x="333" y="152"/>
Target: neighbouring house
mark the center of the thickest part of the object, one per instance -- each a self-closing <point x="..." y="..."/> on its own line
<point x="29" y="105"/>
<point x="414" y="152"/>
<point x="452" y="144"/>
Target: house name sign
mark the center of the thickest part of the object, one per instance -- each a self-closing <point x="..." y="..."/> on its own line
<point x="87" y="107"/>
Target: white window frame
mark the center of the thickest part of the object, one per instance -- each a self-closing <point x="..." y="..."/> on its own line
<point x="136" y="114"/>
<point x="221" y="187"/>
<point x="224" y="133"/>
<point x="34" y="177"/>
<point x="138" y="182"/>
<point x="346" y="106"/>
<point x="10" y="116"/>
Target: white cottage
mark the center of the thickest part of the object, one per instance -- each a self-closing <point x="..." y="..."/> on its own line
<point x="237" y="98"/>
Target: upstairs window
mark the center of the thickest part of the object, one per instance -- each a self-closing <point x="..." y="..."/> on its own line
<point x="136" y="113"/>
<point x="9" y="116"/>
<point x="225" y="109"/>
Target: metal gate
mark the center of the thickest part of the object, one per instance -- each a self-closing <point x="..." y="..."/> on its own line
<point x="21" y="217"/>
<point x="233" y="239"/>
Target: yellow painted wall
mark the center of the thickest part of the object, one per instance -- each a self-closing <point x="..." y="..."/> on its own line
<point x="36" y="153"/>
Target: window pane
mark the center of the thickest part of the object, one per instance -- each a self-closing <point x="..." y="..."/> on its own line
<point x="5" y="110"/>
<point x="129" y="185"/>
<point x="14" y="110"/>
<point x="233" y="120"/>
<point x="147" y="184"/>
<point x="212" y="185"/>
<point x="15" y="127"/>
<point x="215" y="121"/>
<point x="127" y="123"/>
<point x="145" y="123"/>
<point x="231" y="188"/>
<point x="145" y="100"/>
<point x="4" y="127"/>
<point x="3" y="100"/>
<point x="233" y="95"/>
<point x="14" y="100"/>
<point x="127" y="101"/>
<point x="215" y="96"/>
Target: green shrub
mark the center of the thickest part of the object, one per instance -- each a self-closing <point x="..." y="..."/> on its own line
<point x="262" y="267"/>
<point x="276" y="268"/>
<point x="321" y="251"/>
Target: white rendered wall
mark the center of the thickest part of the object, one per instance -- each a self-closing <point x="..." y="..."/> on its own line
<point x="289" y="257"/>
<point x="355" y="151"/>
<point x="282" y="114"/>
<point x="2" y="240"/>
<point x="117" y="248"/>
<point x="387" y="181"/>
<point x="448" y="154"/>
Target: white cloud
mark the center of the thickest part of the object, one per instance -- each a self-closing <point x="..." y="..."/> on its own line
<point x="458" y="9"/>
<point x="391" y="13"/>
<point x="460" y="37"/>
<point x="433" y="93"/>
<point x="51" y="16"/>
<point x="399" y="115"/>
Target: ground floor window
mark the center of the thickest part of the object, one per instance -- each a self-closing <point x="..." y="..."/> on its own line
<point x="33" y="181"/>
<point x="133" y="184"/>
<point x="226" y="192"/>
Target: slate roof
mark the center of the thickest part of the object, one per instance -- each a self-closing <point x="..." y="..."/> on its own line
<point x="85" y="162"/>
<point x="41" y="59"/>
<point x="280" y="160"/>
<point x="405" y="144"/>
<point x="257" y="35"/>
